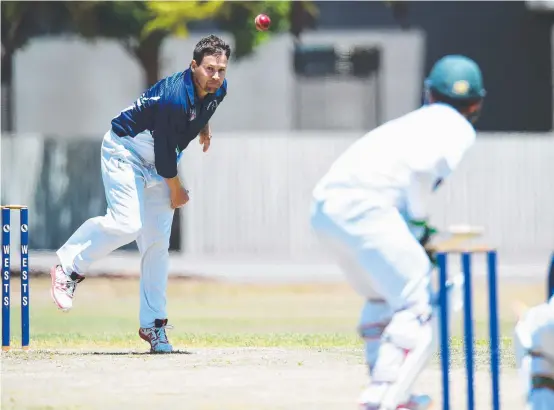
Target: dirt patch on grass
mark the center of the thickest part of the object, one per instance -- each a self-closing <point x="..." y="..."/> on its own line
<point x="234" y="378"/>
<point x="313" y="359"/>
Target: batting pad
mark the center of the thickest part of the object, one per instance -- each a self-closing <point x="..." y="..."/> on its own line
<point x="407" y="345"/>
<point x="375" y="317"/>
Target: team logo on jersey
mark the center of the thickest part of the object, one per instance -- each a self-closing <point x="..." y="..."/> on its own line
<point x="460" y="87"/>
<point x="212" y="105"/>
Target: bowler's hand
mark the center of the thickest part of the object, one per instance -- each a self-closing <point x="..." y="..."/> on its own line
<point x="205" y="139"/>
<point x="178" y="195"/>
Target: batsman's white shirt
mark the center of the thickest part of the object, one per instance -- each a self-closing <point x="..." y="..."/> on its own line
<point x="397" y="164"/>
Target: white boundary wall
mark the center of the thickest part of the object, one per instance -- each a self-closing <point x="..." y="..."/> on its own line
<point x="250" y="195"/>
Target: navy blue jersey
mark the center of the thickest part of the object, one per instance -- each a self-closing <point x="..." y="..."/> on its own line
<point x="173" y="114"/>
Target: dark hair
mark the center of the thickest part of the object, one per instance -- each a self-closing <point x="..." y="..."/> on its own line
<point x="210" y="46"/>
<point x="460" y="105"/>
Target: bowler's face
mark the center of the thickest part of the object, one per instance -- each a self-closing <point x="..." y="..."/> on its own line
<point x="210" y="73"/>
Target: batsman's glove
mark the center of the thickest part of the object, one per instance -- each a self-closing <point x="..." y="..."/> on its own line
<point x="425" y="239"/>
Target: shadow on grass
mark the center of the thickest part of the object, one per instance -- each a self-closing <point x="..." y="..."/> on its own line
<point x="104" y="353"/>
<point x="135" y="353"/>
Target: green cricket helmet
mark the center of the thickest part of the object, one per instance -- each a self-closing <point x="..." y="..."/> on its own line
<point x="457" y="79"/>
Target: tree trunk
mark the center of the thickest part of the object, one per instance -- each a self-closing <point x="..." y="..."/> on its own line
<point x="7" y="91"/>
<point x="148" y="54"/>
<point x="151" y="69"/>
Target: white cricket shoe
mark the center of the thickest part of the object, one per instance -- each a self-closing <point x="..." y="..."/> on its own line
<point x="157" y="337"/>
<point x="416" y="402"/>
<point x="63" y="287"/>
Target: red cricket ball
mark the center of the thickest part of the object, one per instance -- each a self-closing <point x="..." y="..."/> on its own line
<point x="262" y="22"/>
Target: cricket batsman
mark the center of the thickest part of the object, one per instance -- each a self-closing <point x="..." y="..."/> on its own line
<point x="139" y="158"/>
<point x="534" y="351"/>
<point x="370" y="209"/>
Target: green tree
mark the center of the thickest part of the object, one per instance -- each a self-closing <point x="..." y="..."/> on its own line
<point x="130" y="23"/>
<point x="237" y="18"/>
<point x="21" y="21"/>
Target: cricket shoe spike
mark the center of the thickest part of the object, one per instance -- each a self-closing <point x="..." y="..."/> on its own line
<point x="416" y="402"/>
<point x="157" y="337"/>
<point x="63" y="287"/>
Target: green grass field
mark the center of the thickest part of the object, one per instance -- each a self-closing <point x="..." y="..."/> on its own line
<point x="211" y="314"/>
<point x="292" y="335"/>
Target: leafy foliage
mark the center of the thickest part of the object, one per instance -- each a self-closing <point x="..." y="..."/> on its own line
<point x="235" y="17"/>
<point x="22" y="20"/>
<point x="109" y="19"/>
<point x="141" y="26"/>
<point x="174" y="16"/>
<point x="238" y="19"/>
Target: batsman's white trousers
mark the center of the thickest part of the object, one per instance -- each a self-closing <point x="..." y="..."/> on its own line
<point x="392" y="265"/>
<point x="388" y="267"/>
<point x="139" y="209"/>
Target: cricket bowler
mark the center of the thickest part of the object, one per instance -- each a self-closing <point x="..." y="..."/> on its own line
<point x="370" y="209"/>
<point x="139" y="159"/>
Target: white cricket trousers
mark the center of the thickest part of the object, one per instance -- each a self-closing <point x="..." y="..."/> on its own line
<point x="387" y="266"/>
<point x="380" y="255"/>
<point x="139" y="209"/>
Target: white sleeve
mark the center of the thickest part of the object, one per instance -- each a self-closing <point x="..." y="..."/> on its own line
<point x="418" y="195"/>
<point x="455" y="148"/>
<point x="452" y="149"/>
